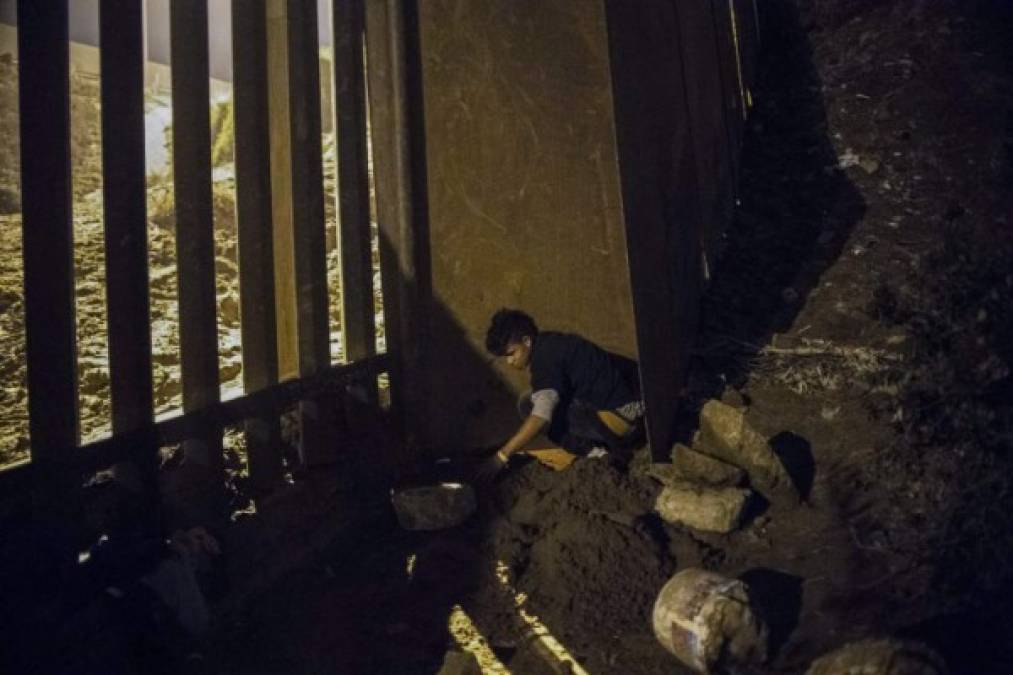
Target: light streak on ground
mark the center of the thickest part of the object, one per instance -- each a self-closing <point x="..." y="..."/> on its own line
<point x="471" y="640"/>
<point x="550" y="646"/>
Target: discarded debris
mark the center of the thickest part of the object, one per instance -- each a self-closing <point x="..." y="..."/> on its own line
<point x="706" y="621"/>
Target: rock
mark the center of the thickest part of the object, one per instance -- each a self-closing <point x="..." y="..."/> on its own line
<point x="705" y="620"/>
<point x="869" y="164"/>
<point x="92" y="381"/>
<point x="433" y="507"/>
<point x="690" y="466"/>
<point x="725" y="434"/>
<point x="695" y="467"/>
<point x="88" y="289"/>
<point x="702" y="508"/>
<point x="880" y="657"/>
<point x="733" y="397"/>
<point x="230" y="370"/>
<point x="228" y="309"/>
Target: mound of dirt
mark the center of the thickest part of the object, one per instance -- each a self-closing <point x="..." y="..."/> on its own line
<point x="585" y="548"/>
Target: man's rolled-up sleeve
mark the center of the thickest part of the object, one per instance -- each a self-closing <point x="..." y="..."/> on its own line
<point x="543" y="402"/>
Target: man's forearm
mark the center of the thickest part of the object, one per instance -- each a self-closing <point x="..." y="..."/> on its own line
<point x="530" y="428"/>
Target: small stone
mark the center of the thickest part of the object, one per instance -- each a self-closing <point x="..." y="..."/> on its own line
<point x="228" y="309"/>
<point x="230" y="371"/>
<point x="830" y="413"/>
<point x="733" y="397"/>
<point x="869" y="164"/>
<point x="702" y="508"/>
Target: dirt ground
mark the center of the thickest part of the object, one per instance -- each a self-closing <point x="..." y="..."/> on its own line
<point x="860" y="316"/>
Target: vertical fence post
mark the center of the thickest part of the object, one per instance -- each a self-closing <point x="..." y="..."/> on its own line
<point x="126" y="240"/>
<point x="195" y="245"/>
<point x="733" y="103"/>
<point x="349" y="87"/>
<point x="44" y="91"/>
<point x="399" y="205"/>
<point x="705" y="97"/>
<point x="747" y="25"/>
<point x="253" y="215"/>
<point x="298" y="209"/>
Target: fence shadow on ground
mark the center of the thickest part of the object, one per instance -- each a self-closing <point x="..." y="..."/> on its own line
<point x="797" y="208"/>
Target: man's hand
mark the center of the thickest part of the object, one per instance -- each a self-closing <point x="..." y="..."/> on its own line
<point x="490" y="467"/>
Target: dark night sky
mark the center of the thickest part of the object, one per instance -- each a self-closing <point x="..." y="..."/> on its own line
<point x="84" y="28"/>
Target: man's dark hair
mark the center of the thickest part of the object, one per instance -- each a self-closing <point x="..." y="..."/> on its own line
<point x="508" y="326"/>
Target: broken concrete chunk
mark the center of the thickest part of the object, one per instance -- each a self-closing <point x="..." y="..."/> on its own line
<point x="696" y="467"/>
<point x="880" y="657"/>
<point x="702" y="508"/>
<point x="705" y="620"/>
<point x="725" y="434"/>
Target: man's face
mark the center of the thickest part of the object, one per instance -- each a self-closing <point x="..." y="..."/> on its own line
<point x="518" y="354"/>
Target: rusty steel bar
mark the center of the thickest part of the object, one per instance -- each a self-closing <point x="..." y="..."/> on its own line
<point x="395" y="110"/>
<point x="256" y="250"/>
<point x="195" y="244"/>
<point x="121" y="31"/>
<point x="44" y="94"/>
<point x="357" y="315"/>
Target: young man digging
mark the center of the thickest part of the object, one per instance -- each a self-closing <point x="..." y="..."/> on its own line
<point x="585" y="398"/>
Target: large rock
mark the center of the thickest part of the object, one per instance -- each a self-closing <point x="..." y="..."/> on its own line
<point x="725" y="434"/>
<point x="433" y="507"/>
<point x="691" y="466"/>
<point x="880" y="657"/>
<point x="696" y="467"/>
<point x="702" y="508"/>
<point x="705" y="620"/>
